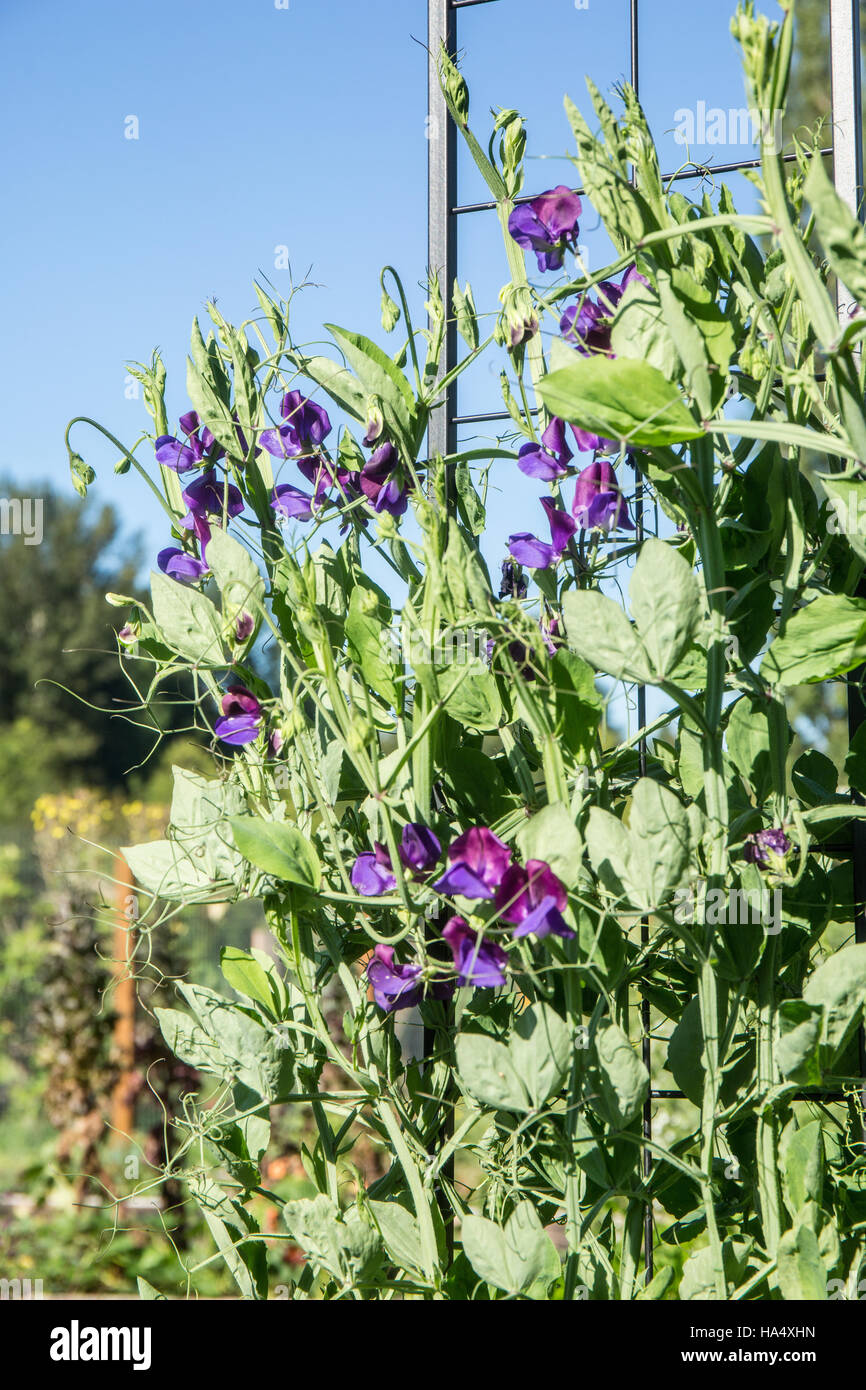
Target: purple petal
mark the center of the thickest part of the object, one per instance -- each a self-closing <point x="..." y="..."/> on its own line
<point x="536" y="462"/>
<point x="371" y="878"/>
<point x="528" y="550"/>
<point x="292" y="503"/>
<point x="174" y="455"/>
<point x="237" y="729"/>
<point x="177" y="564"/>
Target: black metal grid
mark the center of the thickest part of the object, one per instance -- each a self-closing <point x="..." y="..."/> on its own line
<point x="443" y="212"/>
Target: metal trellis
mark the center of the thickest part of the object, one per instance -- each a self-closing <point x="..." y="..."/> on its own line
<point x="443" y="213"/>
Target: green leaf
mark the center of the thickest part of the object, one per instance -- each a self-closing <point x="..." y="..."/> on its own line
<point x="847" y="494"/>
<point x="639" y="331"/>
<point x="489" y="1075"/>
<point x="540" y="1048"/>
<point x="366" y="627"/>
<point x="619" y="399"/>
<point x="278" y="849"/>
<point x="147" y="1291"/>
<point x="579" y="704"/>
<point x="229" y="1223"/>
<point x="400" y="1233"/>
<point x="471" y="695"/>
<point x="379" y="376"/>
<point x="821" y="641"/>
<point x="599" y="631"/>
<point x="236" y="574"/>
<point x="704" y="338"/>
<point x="748" y="740"/>
<point x="842" y="235"/>
<point x="336" y="380"/>
<point x="252" y="974"/>
<point x="347" y="1248"/>
<point x="666" y="604"/>
<point x="607" y="840"/>
<point x="187" y="620"/>
<point x="659" y="843"/>
<point x="801" y="1158"/>
<point x="552" y="835"/>
<point x="465" y="314"/>
<point x="620" y="1075"/>
<point x="523" y="1075"/>
<point x="519" y="1259"/>
<point x="797" y="1051"/>
<point x="799" y="1268"/>
<point x="838" y="987"/>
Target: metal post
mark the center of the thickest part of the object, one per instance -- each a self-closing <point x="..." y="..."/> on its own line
<point x="848" y="177"/>
<point x="441" y="199"/>
<point x="442" y="430"/>
<point x="846" y="101"/>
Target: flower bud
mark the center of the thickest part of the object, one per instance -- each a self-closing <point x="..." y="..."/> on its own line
<point x="454" y="84"/>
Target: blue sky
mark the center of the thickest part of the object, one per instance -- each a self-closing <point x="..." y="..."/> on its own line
<point x="261" y="127"/>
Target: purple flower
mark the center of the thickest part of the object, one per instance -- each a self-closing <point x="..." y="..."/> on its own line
<point x="180" y="457"/>
<point x="290" y="502"/>
<point x="513" y="583"/>
<point x="178" y="564"/>
<point x="419" y="848"/>
<point x="533" y="899"/>
<point x="528" y="550"/>
<point x="307" y="425"/>
<point x="241" y="716"/>
<point x="587" y="324"/>
<point x="546" y="225"/>
<point x="380" y="481"/>
<point x="476" y="862"/>
<point x="244" y="627"/>
<point x="549" y="459"/>
<point x="372" y="873"/>
<point x="207" y="497"/>
<point x="477" y="961"/>
<point x="598" y="503"/>
<point x="767" y="846"/>
<point x="394" y="986"/>
<point x="397" y="986"/>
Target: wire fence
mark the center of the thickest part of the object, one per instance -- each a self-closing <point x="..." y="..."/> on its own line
<point x="445" y="211"/>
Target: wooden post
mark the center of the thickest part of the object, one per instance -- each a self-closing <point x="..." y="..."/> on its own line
<point x="122" y="1102"/>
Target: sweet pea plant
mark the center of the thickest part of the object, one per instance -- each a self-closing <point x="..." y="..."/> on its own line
<point x="435" y="822"/>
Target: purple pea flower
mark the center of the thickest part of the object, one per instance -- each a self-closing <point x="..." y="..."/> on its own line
<point x="397" y="986"/>
<point x="292" y="503"/>
<point x="180" y="457"/>
<point x="513" y="584"/>
<point x="767" y="846"/>
<point x="307" y="425"/>
<point x="477" y="860"/>
<point x="598" y="503"/>
<point x="549" y="459"/>
<point x="533" y="900"/>
<point x="546" y="225"/>
<point x="528" y="550"/>
<point x="244" y="627"/>
<point x="372" y="873"/>
<point x="419" y="848"/>
<point x="587" y="324"/>
<point x="477" y="962"/>
<point x="379" y="480"/>
<point x="180" y="565"/>
<point x="205" y="497"/>
<point x="241" y="716"/>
